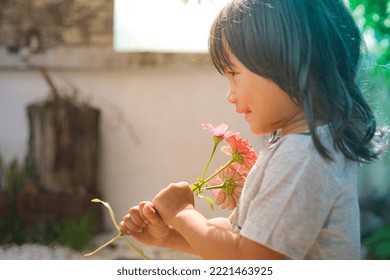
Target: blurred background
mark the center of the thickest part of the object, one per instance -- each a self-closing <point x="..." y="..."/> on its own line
<point x="106" y="99"/>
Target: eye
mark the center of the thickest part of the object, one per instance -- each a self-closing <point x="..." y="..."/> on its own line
<point x="231" y="73"/>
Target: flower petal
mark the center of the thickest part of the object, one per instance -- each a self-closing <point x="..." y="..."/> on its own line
<point x="220" y="131"/>
<point x="243" y="153"/>
<point x="232" y="182"/>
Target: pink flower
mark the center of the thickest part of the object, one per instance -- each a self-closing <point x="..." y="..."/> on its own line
<point x="242" y="152"/>
<point x="220" y="131"/>
<point x="231" y="182"/>
<point x="227" y="182"/>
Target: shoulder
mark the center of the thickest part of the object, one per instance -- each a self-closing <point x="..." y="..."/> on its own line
<point x="296" y="155"/>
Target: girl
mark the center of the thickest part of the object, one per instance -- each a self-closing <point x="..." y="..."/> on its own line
<point x="291" y="66"/>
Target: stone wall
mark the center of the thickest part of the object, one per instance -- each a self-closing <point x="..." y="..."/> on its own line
<point x="44" y="24"/>
<point x="70" y="34"/>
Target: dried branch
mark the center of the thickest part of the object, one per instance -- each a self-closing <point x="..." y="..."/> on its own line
<point x="54" y="91"/>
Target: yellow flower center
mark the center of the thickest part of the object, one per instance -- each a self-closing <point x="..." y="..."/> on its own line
<point x="237" y="157"/>
<point x="228" y="185"/>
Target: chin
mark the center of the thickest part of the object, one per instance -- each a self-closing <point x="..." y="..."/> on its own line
<point x="256" y="130"/>
<point x="259" y="130"/>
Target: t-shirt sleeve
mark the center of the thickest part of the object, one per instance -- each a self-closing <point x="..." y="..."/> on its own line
<point x="291" y="206"/>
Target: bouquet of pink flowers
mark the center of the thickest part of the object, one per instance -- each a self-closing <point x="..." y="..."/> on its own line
<point x="225" y="184"/>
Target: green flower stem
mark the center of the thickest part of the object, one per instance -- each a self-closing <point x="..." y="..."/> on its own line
<point x="104" y="245"/>
<point x="120" y="234"/>
<point x="197" y="187"/>
<point x="209" y="161"/>
<point x="135" y="248"/>
<point x="112" y="215"/>
<point x="131" y="244"/>
<point x="219" y="171"/>
<point x="221" y="186"/>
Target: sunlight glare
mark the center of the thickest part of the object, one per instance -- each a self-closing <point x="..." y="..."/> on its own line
<point x="163" y="25"/>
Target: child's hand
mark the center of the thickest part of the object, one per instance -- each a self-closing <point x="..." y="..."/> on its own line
<point x="145" y="225"/>
<point x="172" y="200"/>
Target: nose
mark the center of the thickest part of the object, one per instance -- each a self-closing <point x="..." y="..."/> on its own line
<point x="230" y="96"/>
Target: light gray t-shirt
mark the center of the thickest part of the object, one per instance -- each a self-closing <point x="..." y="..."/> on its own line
<point x="297" y="203"/>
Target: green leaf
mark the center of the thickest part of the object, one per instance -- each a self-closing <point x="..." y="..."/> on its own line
<point x="136" y="248"/>
<point x="112" y="215"/>
<point x="209" y="199"/>
<point x="378" y="243"/>
<point x="103" y="246"/>
<point x="120" y="234"/>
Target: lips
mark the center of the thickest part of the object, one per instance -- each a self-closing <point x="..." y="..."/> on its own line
<point x="244" y="111"/>
<point x="241" y="111"/>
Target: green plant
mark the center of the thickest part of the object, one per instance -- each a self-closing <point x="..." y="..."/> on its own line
<point x="378" y="243"/>
<point x="74" y="233"/>
<point x="11" y="228"/>
<point x="375" y="17"/>
<point x="44" y="233"/>
<point x="77" y="233"/>
<point x="17" y="176"/>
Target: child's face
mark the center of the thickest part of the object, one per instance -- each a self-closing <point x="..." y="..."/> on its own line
<point x="265" y="105"/>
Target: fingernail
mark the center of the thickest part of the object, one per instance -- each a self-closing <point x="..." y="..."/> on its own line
<point x="151" y="209"/>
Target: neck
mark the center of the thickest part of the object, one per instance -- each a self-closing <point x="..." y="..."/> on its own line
<point x="297" y="124"/>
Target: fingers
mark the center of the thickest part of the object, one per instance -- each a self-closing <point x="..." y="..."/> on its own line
<point x="128" y="227"/>
<point x="133" y="221"/>
<point x="139" y="217"/>
<point x="169" y="201"/>
<point x="151" y="215"/>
